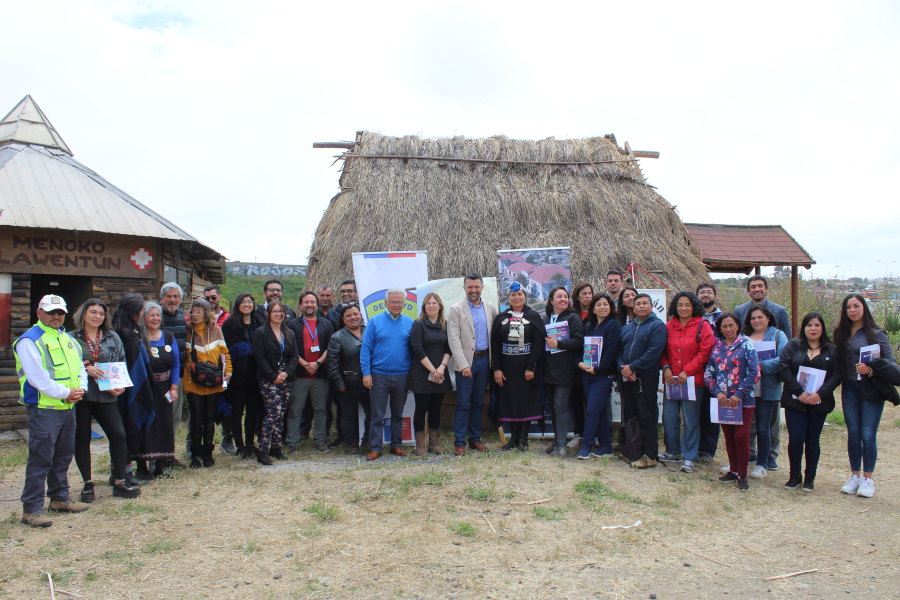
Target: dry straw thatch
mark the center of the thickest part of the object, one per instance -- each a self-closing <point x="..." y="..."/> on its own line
<point x="484" y="195"/>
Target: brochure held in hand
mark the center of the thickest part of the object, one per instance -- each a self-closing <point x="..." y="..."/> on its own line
<point x="593" y="349"/>
<point x="116" y="376"/>
<point x="867" y="354"/>
<point x="558" y="331"/>
<point x="687" y="391"/>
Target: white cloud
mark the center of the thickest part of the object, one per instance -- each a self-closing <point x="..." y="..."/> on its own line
<point x="206" y="111"/>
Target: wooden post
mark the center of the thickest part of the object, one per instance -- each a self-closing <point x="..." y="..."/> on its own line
<point x="758" y="270"/>
<point x="795" y="301"/>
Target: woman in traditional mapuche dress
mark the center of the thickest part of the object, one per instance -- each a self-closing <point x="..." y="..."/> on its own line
<point x="517" y="340"/>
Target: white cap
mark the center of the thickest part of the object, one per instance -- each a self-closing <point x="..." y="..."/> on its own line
<point x="52" y="302"/>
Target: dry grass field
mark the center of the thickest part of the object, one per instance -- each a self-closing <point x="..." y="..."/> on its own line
<point x="495" y="525"/>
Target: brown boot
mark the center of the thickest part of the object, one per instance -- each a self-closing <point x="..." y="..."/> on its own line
<point x="67" y="506"/>
<point x="420" y="444"/>
<point x="433" y="441"/>
<point x="36" y="519"/>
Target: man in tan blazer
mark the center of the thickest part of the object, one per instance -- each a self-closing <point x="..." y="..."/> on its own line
<point x="469" y="331"/>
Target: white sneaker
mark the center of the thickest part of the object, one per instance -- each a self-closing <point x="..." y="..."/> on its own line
<point x="852" y="485"/>
<point x="866" y="488"/>
<point x="687" y="467"/>
<point x="725" y="470"/>
<point x="574" y="442"/>
<point x="758" y="472"/>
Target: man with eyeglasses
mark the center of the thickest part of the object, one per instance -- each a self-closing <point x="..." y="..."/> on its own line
<point x="348" y="294"/>
<point x="272" y="291"/>
<point x="385" y="359"/>
<point x="709" y="431"/>
<point x="212" y="295"/>
<point x="52" y="378"/>
<point x="643" y="342"/>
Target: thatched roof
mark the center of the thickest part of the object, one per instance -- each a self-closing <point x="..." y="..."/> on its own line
<point x="484" y="195"/>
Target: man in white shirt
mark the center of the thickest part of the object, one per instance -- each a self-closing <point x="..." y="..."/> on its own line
<point x="52" y="378"/>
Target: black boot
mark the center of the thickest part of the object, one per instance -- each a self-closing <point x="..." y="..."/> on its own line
<point x="162" y="470"/>
<point x="263" y="458"/>
<point x="207" y="455"/>
<point x="143" y="472"/>
<point x="244" y="452"/>
<point x="275" y="451"/>
<point x="133" y="481"/>
<point x="87" y="493"/>
<point x="196" y="454"/>
<point x="522" y="445"/>
<point x="123" y="490"/>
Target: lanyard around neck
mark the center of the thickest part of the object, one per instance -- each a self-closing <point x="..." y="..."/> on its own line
<point x="313" y="332"/>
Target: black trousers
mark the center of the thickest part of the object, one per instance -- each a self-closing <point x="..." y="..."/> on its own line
<point x="578" y="402"/>
<point x="430" y="404"/>
<point x="349" y="401"/>
<point x="639" y="400"/>
<point x="203" y="418"/>
<point x="709" y="431"/>
<point x="247" y="397"/>
<point x="110" y="420"/>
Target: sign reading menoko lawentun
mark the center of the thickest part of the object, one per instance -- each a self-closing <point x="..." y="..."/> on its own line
<point x="88" y="253"/>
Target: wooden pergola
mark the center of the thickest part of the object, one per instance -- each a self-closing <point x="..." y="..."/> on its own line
<point x="748" y="248"/>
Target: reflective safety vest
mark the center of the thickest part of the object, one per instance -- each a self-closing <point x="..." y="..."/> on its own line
<point x="61" y="354"/>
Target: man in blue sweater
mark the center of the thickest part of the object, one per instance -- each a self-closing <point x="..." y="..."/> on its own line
<point x="385" y="359"/>
<point x="643" y="342"/>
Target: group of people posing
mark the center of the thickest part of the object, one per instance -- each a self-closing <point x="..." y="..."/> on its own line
<point x="268" y="374"/>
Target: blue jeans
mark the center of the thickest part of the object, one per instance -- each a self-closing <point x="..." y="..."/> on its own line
<point x="862" y="424"/>
<point x="470" y="401"/>
<point x="672" y="411"/>
<point x="804" y="429"/>
<point x="387" y="390"/>
<point x="763" y="416"/>
<point x="597" y="391"/>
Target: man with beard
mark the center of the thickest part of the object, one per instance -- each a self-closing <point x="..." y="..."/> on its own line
<point x="272" y="291"/>
<point x="709" y="431"/>
<point x="469" y="324"/>
<point x="614" y="285"/>
<point x="313" y="334"/>
<point x="758" y="290"/>
<point x="348" y="294"/>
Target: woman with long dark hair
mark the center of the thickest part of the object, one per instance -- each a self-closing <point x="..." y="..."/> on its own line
<point x="276" y="354"/>
<point x="99" y="344"/>
<point x="560" y="372"/>
<point x="625" y="313"/>
<point x="517" y="340"/>
<point x="760" y="325"/>
<point x="138" y="404"/>
<point x="805" y="412"/>
<point x="731" y="374"/>
<point x="243" y="389"/>
<point x="205" y="344"/>
<point x="344" y="371"/>
<point x="582" y="297"/>
<point x="158" y="444"/>
<point x="597" y="380"/>
<point x="690" y="342"/>
<point x="856" y="329"/>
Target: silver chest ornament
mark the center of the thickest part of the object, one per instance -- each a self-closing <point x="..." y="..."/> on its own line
<point x="516" y="328"/>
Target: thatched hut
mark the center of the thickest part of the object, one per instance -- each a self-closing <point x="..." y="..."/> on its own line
<point x="463" y="199"/>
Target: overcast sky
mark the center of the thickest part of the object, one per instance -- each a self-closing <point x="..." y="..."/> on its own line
<point x="764" y="113"/>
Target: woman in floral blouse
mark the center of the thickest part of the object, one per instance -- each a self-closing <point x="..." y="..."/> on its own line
<point x="731" y="374"/>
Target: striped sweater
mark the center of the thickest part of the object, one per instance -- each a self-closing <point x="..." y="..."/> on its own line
<point x="210" y="347"/>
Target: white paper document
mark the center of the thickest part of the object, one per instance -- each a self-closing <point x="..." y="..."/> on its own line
<point x="116" y="376"/>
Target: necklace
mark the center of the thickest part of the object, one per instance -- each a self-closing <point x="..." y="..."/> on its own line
<point x="94" y="348"/>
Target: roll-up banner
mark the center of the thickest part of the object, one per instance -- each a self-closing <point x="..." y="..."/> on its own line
<point x="375" y="273"/>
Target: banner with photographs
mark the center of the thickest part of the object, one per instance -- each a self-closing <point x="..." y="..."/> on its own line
<point x="538" y="270"/>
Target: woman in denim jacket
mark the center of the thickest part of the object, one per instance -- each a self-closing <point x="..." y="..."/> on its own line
<point x="731" y="374"/>
<point x="760" y="325"/>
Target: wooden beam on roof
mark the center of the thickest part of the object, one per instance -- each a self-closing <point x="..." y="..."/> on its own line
<point x="341" y="145"/>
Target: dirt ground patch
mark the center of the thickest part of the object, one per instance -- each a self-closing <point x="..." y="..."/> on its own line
<point x="333" y="526"/>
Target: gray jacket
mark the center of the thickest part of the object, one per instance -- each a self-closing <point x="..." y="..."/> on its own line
<point x="111" y="350"/>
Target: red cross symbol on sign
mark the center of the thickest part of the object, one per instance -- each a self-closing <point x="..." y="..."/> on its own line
<point x="141" y="259"/>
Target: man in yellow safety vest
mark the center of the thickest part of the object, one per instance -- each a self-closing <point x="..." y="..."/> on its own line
<point x="52" y="379"/>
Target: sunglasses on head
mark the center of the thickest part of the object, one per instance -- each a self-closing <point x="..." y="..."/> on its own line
<point x="348" y="304"/>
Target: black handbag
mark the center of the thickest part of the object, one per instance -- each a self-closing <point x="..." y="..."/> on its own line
<point x="204" y="373"/>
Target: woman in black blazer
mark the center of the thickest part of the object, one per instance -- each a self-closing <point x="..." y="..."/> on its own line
<point x="560" y="370"/>
<point x="276" y="354"/>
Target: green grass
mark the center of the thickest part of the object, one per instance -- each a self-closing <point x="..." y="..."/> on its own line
<point x="59" y="577"/>
<point x="479" y="493"/>
<point x="322" y="512"/>
<point x="247" y="547"/>
<point x="550" y="514"/>
<point x="163" y="546"/>
<point x="126" y="558"/>
<point x="90" y="577"/>
<point x="237" y="284"/>
<point x="432" y="477"/>
<point x="836" y="417"/>
<point x="462" y="528"/>
<point x="130" y="508"/>
<point x="593" y="489"/>
<point x="12" y="455"/>
<point x="54" y="548"/>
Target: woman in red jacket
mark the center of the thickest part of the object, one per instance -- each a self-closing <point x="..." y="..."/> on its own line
<point x="690" y="342"/>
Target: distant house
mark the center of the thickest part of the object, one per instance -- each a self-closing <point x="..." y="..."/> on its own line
<point x="510" y="258"/>
<point x="546" y="277"/>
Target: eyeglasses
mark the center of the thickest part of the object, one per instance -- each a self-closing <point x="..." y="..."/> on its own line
<point x="198" y="311"/>
<point x="395" y="302"/>
<point x="247" y="301"/>
<point x="273" y="290"/>
<point x="277" y="312"/>
<point x="212" y="298"/>
<point x="56" y="313"/>
<point x="346" y="292"/>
